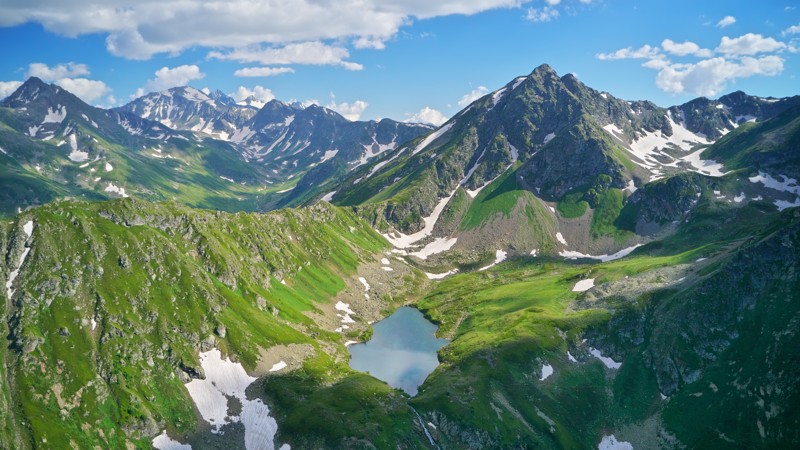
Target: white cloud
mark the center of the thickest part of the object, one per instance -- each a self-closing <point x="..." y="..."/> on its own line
<point x="736" y="58"/>
<point x="473" y="95"/>
<point x="260" y="93"/>
<point x="139" y="29"/>
<point x="262" y="71"/>
<point x="644" y="51"/>
<point x="171" y="77"/>
<point x="657" y="63"/>
<point x="350" y="111"/>
<point x="749" y="44"/>
<point x="317" y="53"/>
<point x="726" y="21"/>
<point x="428" y="115"/>
<point x="545" y="14"/>
<point x="552" y="2"/>
<point x="68" y="70"/>
<point x="710" y="76"/>
<point x="794" y="29"/>
<point x="68" y="76"/>
<point x="87" y="90"/>
<point x="369" y="42"/>
<point x="8" y="87"/>
<point x="684" y="48"/>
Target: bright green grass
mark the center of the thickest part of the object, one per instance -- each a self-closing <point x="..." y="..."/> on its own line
<point x="498" y="198"/>
<point x="572" y="205"/>
<point x="168" y="279"/>
<point x="609" y="207"/>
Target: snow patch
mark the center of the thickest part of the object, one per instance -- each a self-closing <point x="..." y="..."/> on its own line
<point x="569" y="254"/>
<point x="499" y="256"/>
<point x="614" y="130"/>
<point x="611" y="443"/>
<point x="548" y="138"/>
<point x="439" y="276"/>
<point x="278" y="366"/>
<point x="438" y="245"/>
<point x="109" y="167"/>
<point x="364" y="282"/>
<point x="55" y="115"/>
<point x="27" y="228"/>
<point x="328" y="155"/>
<point x="76" y="155"/>
<point x="345" y="316"/>
<point x="164" y="442"/>
<point x="385" y="261"/>
<point x="787" y="185"/>
<point x="583" y="285"/>
<point x="225" y="378"/>
<point x="560" y="238"/>
<point x="570" y="357"/>
<point x="432" y="137"/>
<point x="400" y="240"/>
<point x="328" y="197"/>
<point x="706" y="167"/>
<point x="497" y="96"/>
<point x="783" y="204"/>
<point x="116" y="190"/>
<point x="610" y="363"/>
<point x="547" y="370"/>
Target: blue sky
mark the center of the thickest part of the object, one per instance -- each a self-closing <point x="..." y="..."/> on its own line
<point x="402" y="59"/>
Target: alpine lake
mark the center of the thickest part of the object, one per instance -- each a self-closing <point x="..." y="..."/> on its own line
<point x="401" y="352"/>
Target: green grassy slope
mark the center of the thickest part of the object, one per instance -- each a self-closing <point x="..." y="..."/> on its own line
<point x="159" y="279"/>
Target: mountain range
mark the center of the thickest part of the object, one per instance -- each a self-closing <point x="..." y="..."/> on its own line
<point x="609" y="273"/>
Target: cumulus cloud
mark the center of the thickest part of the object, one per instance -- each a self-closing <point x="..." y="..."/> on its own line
<point x="749" y="44"/>
<point x="260" y="93"/>
<point x="166" y="78"/>
<point x="369" y="42"/>
<point x="794" y="29"/>
<point x="427" y="115"/>
<point x="70" y="76"/>
<point x="741" y="57"/>
<point x="473" y="95"/>
<point x="68" y="70"/>
<point x="710" y="76"/>
<point x="316" y="53"/>
<point x="545" y="14"/>
<point x="684" y="48"/>
<point x="8" y="87"/>
<point x="726" y="21"/>
<point x="644" y="51"/>
<point x="262" y="71"/>
<point x="89" y="91"/>
<point x="350" y="111"/>
<point x="142" y="28"/>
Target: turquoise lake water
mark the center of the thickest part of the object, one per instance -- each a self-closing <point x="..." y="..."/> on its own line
<point x="402" y="351"/>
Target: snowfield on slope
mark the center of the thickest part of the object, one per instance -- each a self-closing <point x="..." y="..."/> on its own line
<point x="225" y="378"/>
